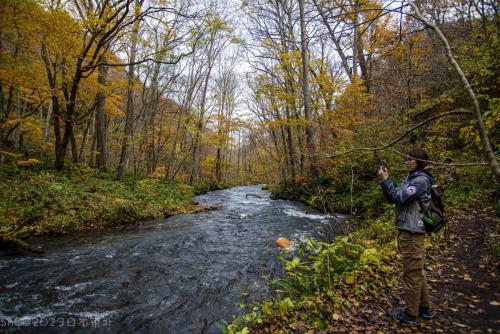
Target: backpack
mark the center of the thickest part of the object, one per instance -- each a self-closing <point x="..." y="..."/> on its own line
<point x="434" y="218"/>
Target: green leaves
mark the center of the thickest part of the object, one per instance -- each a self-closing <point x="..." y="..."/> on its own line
<point x="370" y="256"/>
<point x="323" y="279"/>
<point x="46" y="202"/>
<point x="56" y="186"/>
<point x="285" y="306"/>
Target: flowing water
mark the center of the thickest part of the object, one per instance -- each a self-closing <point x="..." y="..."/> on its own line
<point x="183" y="274"/>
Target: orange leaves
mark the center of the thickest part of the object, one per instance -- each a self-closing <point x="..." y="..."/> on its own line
<point x="10" y="123"/>
<point x="28" y="162"/>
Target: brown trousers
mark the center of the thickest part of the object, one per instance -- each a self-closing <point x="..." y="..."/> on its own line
<point x="411" y="247"/>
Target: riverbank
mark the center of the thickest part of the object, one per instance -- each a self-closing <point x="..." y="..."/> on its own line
<point x="48" y="203"/>
<point x="347" y="285"/>
<point x="462" y="270"/>
<point x="183" y="275"/>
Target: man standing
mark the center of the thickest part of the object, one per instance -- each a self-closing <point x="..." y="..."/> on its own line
<point x="412" y="197"/>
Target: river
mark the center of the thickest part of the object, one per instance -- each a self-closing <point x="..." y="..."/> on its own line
<point x="184" y="274"/>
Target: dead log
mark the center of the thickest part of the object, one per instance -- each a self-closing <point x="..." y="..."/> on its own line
<point x="13" y="241"/>
<point x="247" y="195"/>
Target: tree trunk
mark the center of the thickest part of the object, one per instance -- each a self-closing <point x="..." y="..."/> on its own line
<point x="218" y="165"/>
<point x="94" y="144"/>
<point x="129" y="117"/>
<point x="199" y="129"/>
<point x="63" y="146"/>
<point x="151" y="153"/>
<point x="74" y="150"/>
<point x="196" y="144"/>
<point x="363" y="66"/>
<point x="338" y="47"/>
<point x="100" y="119"/>
<point x="307" y="97"/>
<point x="23" y="147"/>
<point x="291" y="146"/>
<point x="47" y="121"/>
<point x="355" y="39"/>
<point x="239" y="156"/>
<point x="81" y="155"/>
<point x="3" y="117"/>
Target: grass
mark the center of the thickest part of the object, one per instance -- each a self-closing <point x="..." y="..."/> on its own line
<point x="45" y="202"/>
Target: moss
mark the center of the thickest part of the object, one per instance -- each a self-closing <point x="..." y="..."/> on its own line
<point x="46" y="202"/>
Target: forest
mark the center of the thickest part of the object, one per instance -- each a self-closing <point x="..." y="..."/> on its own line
<point x="118" y="112"/>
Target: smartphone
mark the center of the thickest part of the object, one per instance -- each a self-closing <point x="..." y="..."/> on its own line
<point x="383" y="165"/>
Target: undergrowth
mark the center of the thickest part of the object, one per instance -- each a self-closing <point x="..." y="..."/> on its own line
<point x="43" y="202"/>
<point x="322" y="280"/>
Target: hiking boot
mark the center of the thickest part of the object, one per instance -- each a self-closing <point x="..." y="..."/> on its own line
<point x="400" y="315"/>
<point x="426" y="313"/>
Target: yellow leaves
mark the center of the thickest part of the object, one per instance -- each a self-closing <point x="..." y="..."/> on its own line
<point x="26" y="72"/>
<point x="216" y="25"/>
<point x="28" y="162"/>
<point x="208" y="164"/>
<point x="10" y="154"/>
<point x="351" y="111"/>
<point x="61" y="34"/>
<point x="354" y="96"/>
<point x="245" y="330"/>
<point x="350" y="279"/>
<point x="94" y="23"/>
<point x="29" y="127"/>
<point x="370" y="255"/>
<point x="10" y="123"/>
<point x="113" y="105"/>
<point x="491" y="119"/>
<point x="291" y="59"/>
<point x="285" y="306"/>
<point x="237" y="40"/>
<point x="267" y="309"/>
<point x="326" y="84"/>
<point x="19" y="23"/>
<point x="18" y="15"/>
<point x="414" y="48"/>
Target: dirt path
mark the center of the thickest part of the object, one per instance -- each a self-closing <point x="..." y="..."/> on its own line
<point x="464" y="286"/>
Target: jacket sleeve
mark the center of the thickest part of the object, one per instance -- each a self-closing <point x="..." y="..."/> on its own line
<point x="405" y="192"/>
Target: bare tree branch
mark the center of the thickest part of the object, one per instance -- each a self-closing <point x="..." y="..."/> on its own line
<point x="394" y="141"/>
<point x="457" y="164"/>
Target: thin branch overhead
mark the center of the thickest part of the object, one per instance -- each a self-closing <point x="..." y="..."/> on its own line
<point x="459" y="111"/>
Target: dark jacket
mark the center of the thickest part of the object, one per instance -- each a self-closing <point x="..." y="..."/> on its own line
<point x="412" y="196"/>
